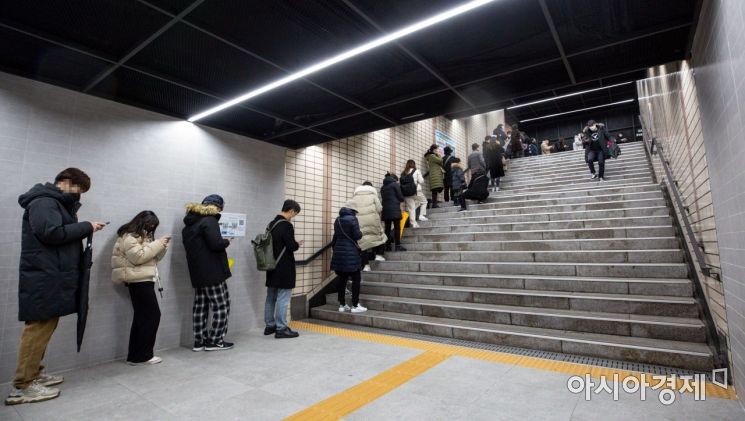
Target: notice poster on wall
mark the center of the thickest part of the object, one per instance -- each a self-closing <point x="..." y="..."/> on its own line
<point x="442" y="139"/>
<point x="233" y="224"/>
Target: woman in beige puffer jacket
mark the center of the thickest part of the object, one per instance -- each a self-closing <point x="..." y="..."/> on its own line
<point x="134" y="263"/>
<point x="368" y="206"/>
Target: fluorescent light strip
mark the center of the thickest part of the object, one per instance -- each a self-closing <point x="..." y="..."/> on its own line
<point x="568" y="95"/>
<point x="576" y="111"/>
<point x="346" y="55"/>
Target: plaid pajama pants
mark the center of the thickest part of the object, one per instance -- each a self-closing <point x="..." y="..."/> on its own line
<point x="217" y="298"/>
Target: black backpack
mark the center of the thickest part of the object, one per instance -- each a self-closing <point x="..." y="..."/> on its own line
<point x="408" y="185"/>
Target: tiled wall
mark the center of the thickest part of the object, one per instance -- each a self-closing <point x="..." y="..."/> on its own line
<point x="345" y="164"/>
<point x="719" y="66"/>
<point x="137" y="160"/>
<point x="671" y="113"/>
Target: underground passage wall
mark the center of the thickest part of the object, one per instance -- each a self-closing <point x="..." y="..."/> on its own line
<point x="137" y="160"/>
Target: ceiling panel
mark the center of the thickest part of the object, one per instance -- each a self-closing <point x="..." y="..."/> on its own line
<point x="109" y="28"/>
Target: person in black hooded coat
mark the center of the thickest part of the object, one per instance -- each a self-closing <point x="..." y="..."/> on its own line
<point x="347" y="260"/>
<point x="392" y="198"/>
<point x="447" y="164"/>
<point x="208" y="270"/>
<point x="49" y="274"/>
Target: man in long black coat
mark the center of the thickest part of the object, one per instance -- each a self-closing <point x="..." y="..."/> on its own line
<point x="281" y="280"/>
<point x="50" y="268"/>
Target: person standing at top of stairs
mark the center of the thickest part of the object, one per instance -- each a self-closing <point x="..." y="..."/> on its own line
<point x="597" y="148"/>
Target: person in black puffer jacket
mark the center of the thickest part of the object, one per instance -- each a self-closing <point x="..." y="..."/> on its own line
<point x="447" y="162"/>
<point x="50" y="269"/>
<point x="392" y="198"/>
<point x="347" y="260"/>
<point x="208" y="270"/>
<point x="478" y="189"/>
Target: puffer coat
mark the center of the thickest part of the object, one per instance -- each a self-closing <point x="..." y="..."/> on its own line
<point x="346" y="257"/>
<point x="134" y="259"/>
<point x="367" y="204"/>
<point x="436" y="175"/>
<point x="392" y="198"/>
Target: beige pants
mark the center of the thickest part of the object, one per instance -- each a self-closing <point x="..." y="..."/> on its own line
<point x="413" y="202"/>
<point x="34" y="341"/>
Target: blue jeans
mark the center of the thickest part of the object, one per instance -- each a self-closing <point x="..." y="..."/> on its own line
<point x="275" y="308"/>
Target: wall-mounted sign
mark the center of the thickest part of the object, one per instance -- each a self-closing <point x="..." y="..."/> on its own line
<point x="233" y="224"/>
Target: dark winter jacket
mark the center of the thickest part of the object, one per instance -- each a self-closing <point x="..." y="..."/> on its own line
<point x="447" y="162"/>
<point x="391" y="197"/>
<point x="534" y="149"/>
<point x="494" y="160"/>
<point x="283" y="235"/>
<point x="501" y="136"/>
<point x="476" y="162"/>
<point x="346" y="257"/>
<point x="205" y="247"/>
<point x="478" y="188"/>
<point x="597" y="140"/>
<point x="51" y="250"/>
<point x="459" y="176"/>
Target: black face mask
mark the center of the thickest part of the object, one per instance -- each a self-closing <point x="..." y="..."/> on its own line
<point x="74" y="196"/>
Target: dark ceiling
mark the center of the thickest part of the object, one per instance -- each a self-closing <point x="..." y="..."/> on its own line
<point x="180" y="57"/>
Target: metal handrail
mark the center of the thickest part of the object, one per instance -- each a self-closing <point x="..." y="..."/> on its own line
<point x="706" y="269"/>
<point x="314" y="256"/>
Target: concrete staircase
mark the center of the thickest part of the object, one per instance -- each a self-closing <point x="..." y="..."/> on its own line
<point x="555" y="261"/>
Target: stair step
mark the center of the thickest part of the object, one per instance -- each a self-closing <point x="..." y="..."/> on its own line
<point x="585" y="190"/>
<point x="413" y="235"/>
<point x="549" y="245"/>
<point x="466" y="218"/>
<point x="577" y="178"/>
<point x="689" y="355"/>
<point x="569" y="170"/>
<point x="621" y="270"/>
<point x="587" y="183"/>
<point x="576" y="224"/>
<point x="576" y="165"/>
<point x="452" y="211"/>
<point x="597" y="256"/>
<point x="582" y="301"/>
<point x="636" y="286"/>
<point x="644" y="326"/>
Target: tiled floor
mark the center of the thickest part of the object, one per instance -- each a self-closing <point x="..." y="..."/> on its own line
<point x="268" y="379"/>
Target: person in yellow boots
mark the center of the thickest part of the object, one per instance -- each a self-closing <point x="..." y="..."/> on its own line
<point x="134" y="264"/>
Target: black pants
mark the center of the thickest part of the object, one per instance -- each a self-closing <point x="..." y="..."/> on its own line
<point x="394" y="236"/>
<point x="342" y="286"/>
<point x="145" y="321"/>
<point x="600" y="157"/>
<point x="448" y="189"/>
<point x="467" y="195"/>
<point x="434" y="195"/>
<point x="370" y="254"/>
<point x="495" y="181"/>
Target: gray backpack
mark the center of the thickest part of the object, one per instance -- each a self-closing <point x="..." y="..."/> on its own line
<point x="264" y="250"/>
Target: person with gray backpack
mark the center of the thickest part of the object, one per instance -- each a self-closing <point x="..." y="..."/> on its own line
<point x="281" y="276"/>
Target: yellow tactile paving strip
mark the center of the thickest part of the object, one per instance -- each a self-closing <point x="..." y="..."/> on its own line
<point x="572" y="369"/>
<point x="358" y="396"/>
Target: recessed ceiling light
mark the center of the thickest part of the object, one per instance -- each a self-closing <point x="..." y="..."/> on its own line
<point x="418" y="26"/>
<point x="576" y="111"/>
<point x="567" y="95"/>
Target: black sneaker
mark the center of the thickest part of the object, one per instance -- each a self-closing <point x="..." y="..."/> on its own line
<point x="198" y="347"/>
<point x="222" y="346"/>
<point x="286" y="333"/>
<point x="270" y="330"/>
<point x="400" y="248"/>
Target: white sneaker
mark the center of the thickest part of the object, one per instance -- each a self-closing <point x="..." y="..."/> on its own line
<point x="594" y="176"/>
<point x="47" y="380"/>
<point x="423" y="218"/>
<point x="344" y="308"/>
<point x="151" y="361"/>
<point x="414" y="224"/>
<point x="366" y="268"/>
<point x="358" y="309"/>
<point x="33" y="393"/>
<point x="379" y="258"/>
<point x="602" y="179"/>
